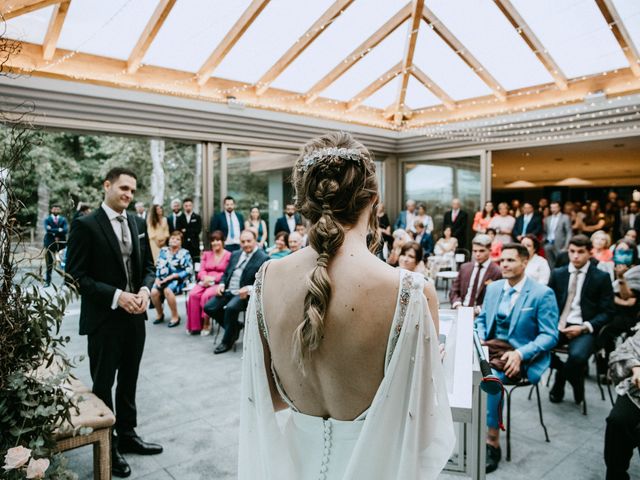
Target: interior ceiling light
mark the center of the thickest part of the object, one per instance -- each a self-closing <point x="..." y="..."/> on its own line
<point x="573" y="182"/>
<point x="520" y="184"/>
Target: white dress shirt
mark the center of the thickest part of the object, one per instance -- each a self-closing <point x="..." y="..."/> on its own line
<point x="291" y="223"/>
<point x="575" y="314"/>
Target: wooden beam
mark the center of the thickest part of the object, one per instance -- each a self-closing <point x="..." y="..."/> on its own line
<point x="521" y="26"/>
<point x="54" y="29"/>
<point x="612" y="17"/>
<point x="360" y="52"/>
<point x="407" y="59"/>
<point x="374" y="86"/>
<point x="433" y="87"/>
<point x="14" y="8"/>
<point x="464" y="54"/>
<point x="97" y="70"/>
<point x="149" y="33"/>
<point x="615" y="83"/>
<point x="230" y="39"/>
<point x="301" y="44"/>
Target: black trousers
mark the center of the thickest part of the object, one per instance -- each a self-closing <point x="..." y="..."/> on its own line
<point x="621" y="437"/>
<point x="580" y="349"/>
<point x="115" y="348"/>
<point x="49" y="257"/>
<point x="225" y="310"/>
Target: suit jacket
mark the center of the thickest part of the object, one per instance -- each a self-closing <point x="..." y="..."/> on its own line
<point x="283" y="226"/>
<point x="55" y="233"/>
<point x="534" y="227"/>
<point x="461" y="284"/>
<point x="176" y="222"/>
<point x="459" y="227"/>
<point x="596" y="299"/>
<point x="249" y="273"/>
<point x="95" y="266"/>
<point x="426" y="242"/>
<point x="636" y="224"/>
<point x="219" y="222"/>
<point x="401" y="221"/>
<point x="562" y="234"/>
<point x="192" y="231"/>
<point x="625" y="224"/>
<point x="534" y="324"/>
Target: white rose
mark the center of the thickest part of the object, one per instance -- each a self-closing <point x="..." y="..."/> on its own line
<point x="16" y="457"/>
<point x="36" y="468"/>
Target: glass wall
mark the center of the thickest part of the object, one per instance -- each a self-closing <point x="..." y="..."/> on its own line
<point x="437" y="182"/>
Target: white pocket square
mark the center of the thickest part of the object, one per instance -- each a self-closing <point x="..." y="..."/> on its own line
<point x="141" y="235"/>
<point x="525" y="309"/>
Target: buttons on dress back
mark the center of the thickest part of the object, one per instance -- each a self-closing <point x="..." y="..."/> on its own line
<point x="326" y="451"/>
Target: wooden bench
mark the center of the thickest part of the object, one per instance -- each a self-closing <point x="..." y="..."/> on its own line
<point x="95" y="414"/>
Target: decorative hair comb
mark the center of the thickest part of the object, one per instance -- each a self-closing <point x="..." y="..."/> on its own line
<point x="351" y="154"/>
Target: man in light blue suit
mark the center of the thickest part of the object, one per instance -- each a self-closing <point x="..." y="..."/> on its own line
<point x="519" y="323"/>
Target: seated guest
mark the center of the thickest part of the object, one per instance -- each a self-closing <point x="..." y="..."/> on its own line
<point x="585" y="299"/>
<point x="234" y="289"/>
<point x="295" y="242"/>
<point x="623" y="423"/>
<point x="212" y="266"/>
<point x="301" y="230"/>
<point x="496" y="245"/>
<point x="600" y="250"/>
<point x="537" y="267"/>
<point x="281" y="246"/>
<point x="411" y="257"/>
<point x="529" y="223"/>
<point x="424" y="238"/>
<point x="400" y="237"/>
<point x="173" y="270"/>
<point x="518" y="323"/>
<point x="444" y="253"/>
<point x="469" y="286"/>
<point x="482" y="218"/>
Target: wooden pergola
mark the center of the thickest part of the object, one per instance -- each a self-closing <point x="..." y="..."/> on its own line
<point x="49" y="60"/>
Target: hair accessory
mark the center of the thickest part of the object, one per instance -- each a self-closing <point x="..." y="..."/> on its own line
<point x="352" y="154"/>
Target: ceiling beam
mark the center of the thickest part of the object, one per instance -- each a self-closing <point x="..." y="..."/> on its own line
<point x="301" y="44"/>
<point x="149" y="34"/>
<point x="230" y="39"/>
<point x="521" y="26"/>
<point x="374" y="86"/>
<point x="407" y="59"/>
<point x="612" y="17"/>
<point x="14" y="8"/>
<point x="54" y="29"/>
<point x="464" y="54"/>
<point x="433" y="87"/>
<point x="360" y="52"/>
<point x="615" y="83"/>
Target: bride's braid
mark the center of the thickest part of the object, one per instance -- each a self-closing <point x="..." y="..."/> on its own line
<point x="331" y="191"/>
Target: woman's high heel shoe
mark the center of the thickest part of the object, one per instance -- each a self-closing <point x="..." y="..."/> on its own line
<point x="174" y="324"/>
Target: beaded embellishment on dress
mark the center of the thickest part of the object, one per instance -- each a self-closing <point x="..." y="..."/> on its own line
<point x="404" y="297"/>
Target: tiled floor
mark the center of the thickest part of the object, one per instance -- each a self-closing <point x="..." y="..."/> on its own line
<point x="188" y="402"/>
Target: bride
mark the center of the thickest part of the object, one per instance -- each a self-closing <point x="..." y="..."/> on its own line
<point x="341" y="372"/>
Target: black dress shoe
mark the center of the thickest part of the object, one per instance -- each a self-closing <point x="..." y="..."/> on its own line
<point x="158" y="320"/>
<point x="119" y="466"/>
<point x="556" y="395"/>
<point x="134" y="444"/>
<point x="174" y="324"/>
<point x="221" y="348"/>
<point x="494" y="454"/>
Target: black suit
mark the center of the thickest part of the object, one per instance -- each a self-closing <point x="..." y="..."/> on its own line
<point x="176" y="222"/>
<point x="191" y="233"/>
<point x="115" y="337"/>
<point x="596" y="305"/>
<point x="219" y="222"/>
<point x="459" y="227"/>
<point x="283" y="226"/>
<point x="226" y="307"/>
<point x="534" y="227"/>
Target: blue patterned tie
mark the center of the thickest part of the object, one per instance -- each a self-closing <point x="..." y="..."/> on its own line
<point x="505" y="303"/>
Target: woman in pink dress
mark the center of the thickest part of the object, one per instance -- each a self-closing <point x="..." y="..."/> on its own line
<point x="212" y="266"/>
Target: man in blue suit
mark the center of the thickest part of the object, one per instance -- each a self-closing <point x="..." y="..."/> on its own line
<point x="230" y="223"/>
<point x="519" y="324"/>
<point x="56" y="228"/>
<point x="407" y="217"/>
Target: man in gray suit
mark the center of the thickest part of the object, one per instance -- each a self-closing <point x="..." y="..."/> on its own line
<point x="557" y="232"/>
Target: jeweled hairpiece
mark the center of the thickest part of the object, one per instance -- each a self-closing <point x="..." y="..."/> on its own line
<point x="352" y="154"/>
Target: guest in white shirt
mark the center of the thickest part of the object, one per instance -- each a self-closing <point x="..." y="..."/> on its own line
<point x="537" y="267"/>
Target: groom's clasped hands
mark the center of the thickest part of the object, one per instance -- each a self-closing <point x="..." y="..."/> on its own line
<point x="134" y="303"/>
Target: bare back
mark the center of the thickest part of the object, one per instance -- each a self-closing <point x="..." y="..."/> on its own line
<point x="344" y="373"/>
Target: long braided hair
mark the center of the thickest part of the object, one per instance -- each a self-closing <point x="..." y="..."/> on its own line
<point x="331" y="192"/>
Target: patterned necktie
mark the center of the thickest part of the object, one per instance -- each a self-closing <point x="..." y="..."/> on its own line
<point x="474" y="289"/>
<point x="571" y="295"/>
<point x="124" y="238"/>
<point x="505" y="303"/>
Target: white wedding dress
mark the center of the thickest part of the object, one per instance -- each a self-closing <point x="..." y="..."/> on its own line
<point x="406" y="433"/>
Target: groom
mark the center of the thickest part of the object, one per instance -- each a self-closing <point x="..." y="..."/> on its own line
<point x="109" y="261"/>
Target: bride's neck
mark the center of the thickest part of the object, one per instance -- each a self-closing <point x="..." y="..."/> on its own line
<point x="356" y="237"/>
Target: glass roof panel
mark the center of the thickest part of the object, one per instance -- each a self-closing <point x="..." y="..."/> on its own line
<point x="201" y="24"/>
<point x="629" y="10"/>
<point x="31" y="27"/>
<point x="349" y="30"/>
<point x="110" y="29"/>
<point x="445" y="68"/>
<point x="277" y="28"/>
<point x="388" y="53"/>
<point x="385" y="96"/>
<point x="419" y="96"/>
<point x="489" y="36"/>
<point x="576" y="35"/>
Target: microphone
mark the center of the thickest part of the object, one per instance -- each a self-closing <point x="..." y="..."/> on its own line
<point x="490" y="383"/>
